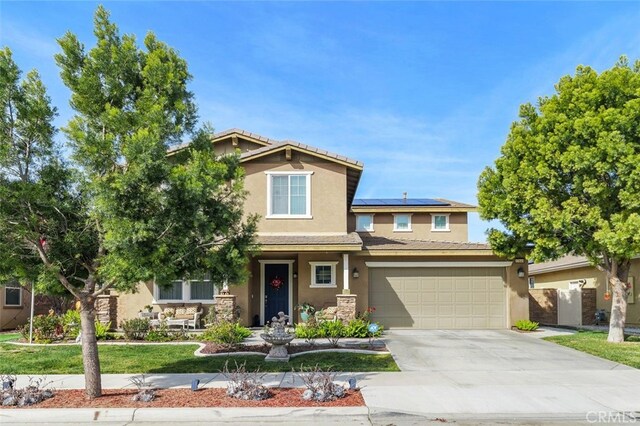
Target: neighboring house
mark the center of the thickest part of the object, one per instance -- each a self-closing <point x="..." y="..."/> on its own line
<point x="574" y="272"/>
<point x="410" y="259"/>
<point x="15" y="303"/>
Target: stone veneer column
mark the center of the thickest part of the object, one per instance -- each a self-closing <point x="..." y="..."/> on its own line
<point x="225" y="307"/>
<point x="107" y="309"/>
<point x="346" y="307"/>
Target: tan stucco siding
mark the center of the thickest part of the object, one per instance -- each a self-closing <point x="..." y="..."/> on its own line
<point x="518" y="293"/>
<point x="227" y="147"/>
<point x="420" y="227"/>
<point x="328" y="193"/>
<point x="594" y="279"/>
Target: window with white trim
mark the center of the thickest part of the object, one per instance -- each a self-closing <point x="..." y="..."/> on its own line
<point x="323" y="274"/>
<point x="200" y="289"/>
<point x="364" y="222"/>
<point x="289" y="194"/>
<point x="12" y="295"/>
<point x="440" y="222"/>
<point x="402" y="222"/>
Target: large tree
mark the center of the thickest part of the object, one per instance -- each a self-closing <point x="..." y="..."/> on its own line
<point x="568" y="179"/>
<point x="127" y="213"/>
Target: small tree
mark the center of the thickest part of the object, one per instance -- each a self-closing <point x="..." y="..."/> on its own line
<point x="568" y="179"/>
<point x="127" y="213"/>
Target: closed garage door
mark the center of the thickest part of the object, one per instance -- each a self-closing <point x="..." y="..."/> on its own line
<point x="438" y="298"/>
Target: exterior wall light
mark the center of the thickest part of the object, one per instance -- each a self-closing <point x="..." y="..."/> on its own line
<point x="355" y="273"/>
<point x="520" y="273"/>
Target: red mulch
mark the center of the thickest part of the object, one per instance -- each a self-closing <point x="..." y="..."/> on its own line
<point x="176" y="398"/>
<point x="215" y="348"/>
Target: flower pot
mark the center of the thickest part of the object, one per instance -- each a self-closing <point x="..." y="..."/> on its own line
<point x="304" y="316"/>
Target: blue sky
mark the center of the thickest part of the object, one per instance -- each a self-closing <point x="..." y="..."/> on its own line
<point x="423" y="93"/>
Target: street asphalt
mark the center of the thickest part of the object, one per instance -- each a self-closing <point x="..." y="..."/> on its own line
<point x="463" y="377"/>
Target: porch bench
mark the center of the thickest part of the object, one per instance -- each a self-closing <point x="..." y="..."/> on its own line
<point x="327" y="314"/>
<point x="189" y="312"/>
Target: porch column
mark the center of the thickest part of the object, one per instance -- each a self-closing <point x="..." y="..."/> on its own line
<point x="345" y="273"/>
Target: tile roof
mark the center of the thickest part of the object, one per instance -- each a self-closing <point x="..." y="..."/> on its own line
<point x="384" y="243"/>
<point x="227" y="133"/>
<point x="566" y="262"/>
<point x="313" y="149"/>
<point x="383" y="202"/>
<point x="322" y="240"/>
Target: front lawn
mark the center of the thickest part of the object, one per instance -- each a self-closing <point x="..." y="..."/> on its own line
<point x="595" y="343"/>
<point x="52" y="359"/>
<point x="5" y="337"/>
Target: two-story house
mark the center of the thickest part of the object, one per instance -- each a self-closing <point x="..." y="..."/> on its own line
<point x="408" y="258"/>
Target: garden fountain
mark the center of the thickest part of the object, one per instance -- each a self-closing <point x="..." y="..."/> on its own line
<point x="278" y="337"/>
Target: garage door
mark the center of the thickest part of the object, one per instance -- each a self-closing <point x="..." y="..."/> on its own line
<point x="438" y="298"/>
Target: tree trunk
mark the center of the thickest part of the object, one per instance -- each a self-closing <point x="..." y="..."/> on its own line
<point x="90" y="360"/>
<point x="618" y="286"/>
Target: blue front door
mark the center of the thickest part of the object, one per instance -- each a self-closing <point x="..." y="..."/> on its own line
<point x="276" y="290"/>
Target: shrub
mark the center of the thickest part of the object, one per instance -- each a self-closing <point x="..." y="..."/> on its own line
<point x="245" y="385"/>
<point x="102" y="329"/>
<point x="333" y="331"/>
<point x="309" y="332"/>
<point x="46" y="328"/>
<point x="71" y="323"/>
<point x="226" y="333"/>
<point x="357" y="328"/>
<point x="163" y="333"/>
<point x="321" y="385"/>
<point x="135" y="328"/>
<point x="527" y="325"/>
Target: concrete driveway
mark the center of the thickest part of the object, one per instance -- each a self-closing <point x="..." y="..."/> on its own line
<point x="498" y="375"/>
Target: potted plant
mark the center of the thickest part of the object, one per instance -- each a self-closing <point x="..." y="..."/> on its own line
<point x="306" y="311"/>
<point x="149" y="308"/>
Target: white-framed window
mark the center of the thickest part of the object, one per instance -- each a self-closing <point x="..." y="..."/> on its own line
<point x="289" y="195"/>
<point x="402" y="222"/>
<point x="440" y="222"/>
<point x="12" y="295"/>
<point x="193" y="290"/>
<point x="323" y="274"/>
<point x="364" y="222"/>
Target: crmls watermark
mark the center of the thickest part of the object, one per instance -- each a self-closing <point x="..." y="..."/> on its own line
<point x="617" y="417"/>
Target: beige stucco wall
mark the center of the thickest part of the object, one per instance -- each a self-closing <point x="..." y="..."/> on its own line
<point x="328" y="193"/>
<point x="14" y="316"/>
<point x="226" y="146"/>
<point x="420" y="227"/>
<point x="595" y="279"/>
<point x="517" y="293"/>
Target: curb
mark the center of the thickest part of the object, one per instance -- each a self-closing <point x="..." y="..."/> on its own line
<point x="172" y="415"/>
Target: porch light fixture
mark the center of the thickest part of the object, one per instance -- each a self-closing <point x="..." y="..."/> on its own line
<point x="295" y="275"/>
<point x="520" y="273"/>
<point x="355" y="273"/>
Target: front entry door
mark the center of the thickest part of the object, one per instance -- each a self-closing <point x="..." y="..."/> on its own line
<point x="276" y="290"/>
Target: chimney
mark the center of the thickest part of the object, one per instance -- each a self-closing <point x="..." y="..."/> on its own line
<point x="404" y="197"/>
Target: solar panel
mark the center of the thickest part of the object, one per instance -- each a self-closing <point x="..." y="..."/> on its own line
<point x="398" y="202"/>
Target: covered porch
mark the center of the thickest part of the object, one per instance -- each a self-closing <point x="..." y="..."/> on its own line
<point x="291" y="270"/>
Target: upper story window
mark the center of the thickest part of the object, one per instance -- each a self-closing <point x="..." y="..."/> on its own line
<point x="402" y="222"/>
<point x="439" y="222"/>
<point x="364" y="222"/>
<point x="196" y="289"/>
<point x="13" y="295"/>
<point x="323" y="274"/>
<point x="289" y="194"/>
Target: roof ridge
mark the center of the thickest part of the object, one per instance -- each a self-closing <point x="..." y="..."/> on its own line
<point x="303" y="146"/>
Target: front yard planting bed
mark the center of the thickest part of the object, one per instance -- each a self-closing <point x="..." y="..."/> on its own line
<point x="595" y="343"/>
<point x="180" y="398"/>
<point x="132" y="359"/>
<point x="214" y="348"/>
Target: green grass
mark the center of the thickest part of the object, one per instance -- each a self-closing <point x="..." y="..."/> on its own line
<point x="5" y="337"/>
<point x="595" y="343"/>
<point x="16" y="359"/>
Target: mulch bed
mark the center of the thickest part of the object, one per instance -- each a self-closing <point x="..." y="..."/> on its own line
<point x="215" y="348"/>
<point x="177" y="398"/>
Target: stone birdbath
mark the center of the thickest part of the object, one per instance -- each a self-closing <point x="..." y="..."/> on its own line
<point x="278" y="337"/>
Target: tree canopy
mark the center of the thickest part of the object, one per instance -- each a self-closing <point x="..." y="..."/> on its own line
<point x="118" y="211"/>
<point x="568" y="179"/>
